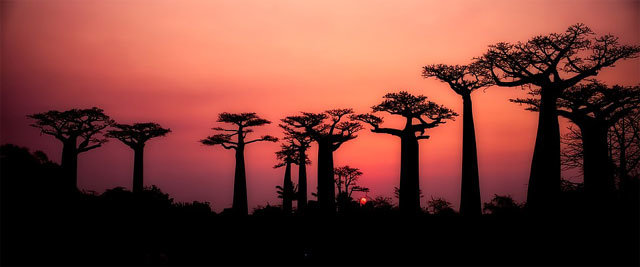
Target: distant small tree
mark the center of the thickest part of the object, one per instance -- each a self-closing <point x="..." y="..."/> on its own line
<point x="412" y="108"/>
<point x="243" y="122"/>
<point x="347" y="180"/>
<point x="329" y="130"/>
<point x="70" y="127"/>
<point x="135" y="136"/>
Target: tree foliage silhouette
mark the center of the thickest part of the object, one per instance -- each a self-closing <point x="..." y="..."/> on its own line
<point x="594" y="108"/>
<point x="243" y="123"/>
<point x="465" y="79"/>
<point x="429" y="115"/>
<point x="551" y="63"/>
<point x="135" y="136"/>
<point x="70" y="127"/>
<point x="330" y="131"/>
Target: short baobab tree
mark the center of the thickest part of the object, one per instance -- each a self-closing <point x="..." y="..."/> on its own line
<point x="135" y="136"/>
<point x="594" y="107"/>
<point x="79" y="131"/>
<point x="243" y="123"/>
<point x="287" y="156"/>
<point x="551" y="64"/>
<point x="413" y="108"/>
<point x="330" y="131"/>
<point x="464" y="80"/>
<point x="301" y="142"/>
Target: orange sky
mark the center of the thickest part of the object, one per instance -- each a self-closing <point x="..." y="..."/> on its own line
<point x="180" y="63"/>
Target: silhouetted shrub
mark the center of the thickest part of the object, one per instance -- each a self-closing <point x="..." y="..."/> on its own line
<point x="502" y="206"/>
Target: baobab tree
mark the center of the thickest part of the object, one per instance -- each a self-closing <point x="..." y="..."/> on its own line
<point x="301" y="141"/>
<point x="594" y="108"/>
<point x="551" y="64"/>
<point x="287" y="155"/>
<point x="428" y="115"/>
<point x="624" y="148"/>
<point x="330" y="131"/>
<point x="347" y="181"/>
<point x="464" y="80"/>
<point x="243" y="123"/>
<point x="79" y="131"/>
<point x="135" y="136"/>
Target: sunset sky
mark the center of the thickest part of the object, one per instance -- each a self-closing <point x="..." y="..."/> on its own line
<point x="180" y="63"/>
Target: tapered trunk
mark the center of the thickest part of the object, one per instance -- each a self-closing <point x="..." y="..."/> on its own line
<point x="239" y="205"/>
<point x="598" y="177"/>
<point x="69" y="163"/>
<point x="470" y="204"/>
<point x="138" y="175"/>
<point x="409" y="194"/>
<point x="326" y="188"/>
<point x="287" y="190"/>
<point x="544" y="180"/>
<point x="302" y="182"/>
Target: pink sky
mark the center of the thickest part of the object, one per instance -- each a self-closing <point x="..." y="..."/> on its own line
<point x="180" y="63"/>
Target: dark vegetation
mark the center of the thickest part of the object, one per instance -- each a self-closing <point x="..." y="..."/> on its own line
<point x="47" y="220"/>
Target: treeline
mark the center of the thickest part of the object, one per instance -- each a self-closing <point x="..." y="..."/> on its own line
<point x="558" y="69"/>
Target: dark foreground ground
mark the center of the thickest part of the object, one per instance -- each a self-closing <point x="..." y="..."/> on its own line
<point x="44" y="224"/>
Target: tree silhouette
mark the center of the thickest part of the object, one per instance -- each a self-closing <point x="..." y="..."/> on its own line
<point x="243" y="122"/>
<point x="301" y="141"/>
<point x="411" y="108"/>
<point x="330" y="131"/>
<point x="135" y="136"/>
<point x="594" y="108"/>
<point x="287" y="155"/>
<point x="347" y="180"/>
<point x="464" y="80"/>
<point x="439" y="206"/>
<point x="70" y="127"/>
<point x="624" y="140"/>
<point x="551" y="63"/>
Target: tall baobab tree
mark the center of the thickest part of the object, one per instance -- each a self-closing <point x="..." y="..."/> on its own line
<point x="594" y="108"/>
<point x="464" y="80"/>
<point x="428" y="115"/>
<point x="287" y="155"/>
<point x="135" y="136"/>
<point x="70" y="127"/>
<point x="330" y="131"/>
<point x="550" y="64"/>
<point x="243" y="123"/>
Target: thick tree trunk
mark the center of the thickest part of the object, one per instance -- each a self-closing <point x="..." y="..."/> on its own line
<point x="326" y="188"/>
<point x="598" y="177"/>
<point x="138" y="166"/>
<point x="240" y="206"/>
<point x="470" y="204"/>
<point x="302" y="182"/>
<point x="409" y="195"/>
<point x="69" y="163"/>
<point x="544" y="180"/>
<point x="287" y="190"/>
